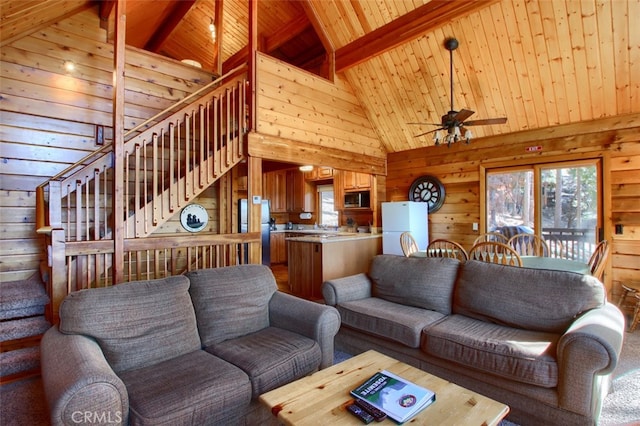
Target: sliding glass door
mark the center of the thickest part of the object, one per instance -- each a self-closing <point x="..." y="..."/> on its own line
<point x="559" y="202"/>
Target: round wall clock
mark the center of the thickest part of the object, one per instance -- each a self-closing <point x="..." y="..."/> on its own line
<point x="194" y="218"/>
<point x="427" y="189"/>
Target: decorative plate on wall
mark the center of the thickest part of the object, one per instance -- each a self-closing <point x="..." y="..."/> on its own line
<point x="427" y="189"/>
<point x="194" y="218"/>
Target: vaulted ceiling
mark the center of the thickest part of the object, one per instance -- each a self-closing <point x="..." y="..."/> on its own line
<point x="540" y="63"/>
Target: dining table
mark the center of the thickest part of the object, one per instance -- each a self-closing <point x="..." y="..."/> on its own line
<point x="555" y="263"/>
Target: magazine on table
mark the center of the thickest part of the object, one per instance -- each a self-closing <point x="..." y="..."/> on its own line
<point x="399" y="398"/>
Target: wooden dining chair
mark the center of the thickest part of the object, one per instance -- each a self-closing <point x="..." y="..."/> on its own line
<point x="447" y="248"/>
<point x="408" y="244"/>
<point x="491" y="236"/>
<point x="529" y="245"/>
<point x="598" y="259"/>
<point x="494" y="252"/>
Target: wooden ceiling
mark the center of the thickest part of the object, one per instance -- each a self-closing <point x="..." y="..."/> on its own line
<point x="539" y="63"/>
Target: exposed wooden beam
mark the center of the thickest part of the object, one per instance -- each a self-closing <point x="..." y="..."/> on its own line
<point x="106" y="6"/>
<point x="297" y="152"/>
<point x="219" y="23"/>
<point x="321" y="32"/>
<point x="406" y="28"/>
<point x="290" y="30"/>
<point x="118" y="206"/>
<point x="169" y="24"/>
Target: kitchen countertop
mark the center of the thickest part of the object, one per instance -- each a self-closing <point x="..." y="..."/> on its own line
<point x="333" y="237"/>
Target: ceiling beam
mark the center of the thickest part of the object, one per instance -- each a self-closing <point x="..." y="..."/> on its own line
<point x="291" y="29"/>
<point x="168" y="25"/>
<point x="406" y="28"/>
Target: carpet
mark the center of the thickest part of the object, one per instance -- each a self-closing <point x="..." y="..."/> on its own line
<point x="23" y="402"/>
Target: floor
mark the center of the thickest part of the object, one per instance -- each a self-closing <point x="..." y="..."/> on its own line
<point x="281" y="273"/>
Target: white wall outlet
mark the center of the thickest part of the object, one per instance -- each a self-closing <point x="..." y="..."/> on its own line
<point x="257" y="199"/>
<point x="475" y="226"/>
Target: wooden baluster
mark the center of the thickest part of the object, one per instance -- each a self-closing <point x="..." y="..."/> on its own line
<point x="187" y="157"/>
<point x="172" y="167"/>
<point x="136" y="192"/>
<point x="155" y="199"/>
<point x="202" y="164"/>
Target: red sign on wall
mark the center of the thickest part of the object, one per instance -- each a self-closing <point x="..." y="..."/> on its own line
<point x="534" y="148"/>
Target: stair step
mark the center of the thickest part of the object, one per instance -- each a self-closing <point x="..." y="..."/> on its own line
<point x="22" y="328"/>
<point x="22" y="298"/>
<point x="19" y="361"/>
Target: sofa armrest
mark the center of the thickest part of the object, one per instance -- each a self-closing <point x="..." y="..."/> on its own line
<point x="588" y="353"/>
<point x="79" y="384"/>
<point x="313" y="320"/>
<point x="345" y="289"/>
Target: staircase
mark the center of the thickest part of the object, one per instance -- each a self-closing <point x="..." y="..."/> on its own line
<point x="166" y="163"/>
<point x="22" y="323"/>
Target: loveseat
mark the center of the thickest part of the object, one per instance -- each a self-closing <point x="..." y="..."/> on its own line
<point x="184" y="350"/>
<point x="543" y="342"/>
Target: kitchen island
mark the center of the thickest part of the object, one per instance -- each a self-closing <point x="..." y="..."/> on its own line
<point x="314" y="259"/>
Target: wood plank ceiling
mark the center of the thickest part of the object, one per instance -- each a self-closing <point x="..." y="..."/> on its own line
<point x="539" y="63"/>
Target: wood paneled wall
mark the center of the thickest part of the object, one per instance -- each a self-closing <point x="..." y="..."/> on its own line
<point x="303" y="118"/>
<point x="48" y="117"/>
<point x="615" y="140"/>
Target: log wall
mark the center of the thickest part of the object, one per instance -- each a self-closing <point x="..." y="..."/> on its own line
<point x="49" y="116"/>
<point x="303" y="118"/>
<point x="614" y="140"/>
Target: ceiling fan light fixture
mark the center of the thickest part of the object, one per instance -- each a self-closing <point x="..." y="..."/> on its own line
<point x="468" y="135"/>
<point x="437" y="137"/>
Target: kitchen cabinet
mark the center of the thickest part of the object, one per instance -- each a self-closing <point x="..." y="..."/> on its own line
<point x="278" y="247"/>
<point x="356" y="181"/>
<point x="300" y="195"/>
<point x="274" y="188"/>
<point x="319" y="173"/>
<point x="315" y="259"/>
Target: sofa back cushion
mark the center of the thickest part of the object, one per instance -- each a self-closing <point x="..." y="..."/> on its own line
<point x="532" y="299"/>
<point x="423" y="282"/>
<point x="136" y="324"/>
<point x="232" y="301"/>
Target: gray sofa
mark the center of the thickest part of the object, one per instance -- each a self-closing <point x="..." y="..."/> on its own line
<point x="543" y="342"/>
<point x="185" y="350"/>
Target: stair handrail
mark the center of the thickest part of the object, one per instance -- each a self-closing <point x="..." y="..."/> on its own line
<point x="91" y="156"/>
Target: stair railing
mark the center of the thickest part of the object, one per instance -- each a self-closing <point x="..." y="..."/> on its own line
<point x="168" y="164"/>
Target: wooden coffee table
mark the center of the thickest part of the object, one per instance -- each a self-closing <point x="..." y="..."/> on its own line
<point x="322" y="397"/>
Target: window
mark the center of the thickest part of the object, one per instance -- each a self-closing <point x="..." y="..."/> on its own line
<point x="328" y="215"/>
<point x="559" y="202"/>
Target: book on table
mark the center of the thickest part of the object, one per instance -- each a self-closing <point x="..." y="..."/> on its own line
<point x="399" y="398"/>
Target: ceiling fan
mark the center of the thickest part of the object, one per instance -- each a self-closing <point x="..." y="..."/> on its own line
<point x="454" y="121"/>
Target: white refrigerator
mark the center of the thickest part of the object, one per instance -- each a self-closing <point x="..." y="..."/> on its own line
<point x="403" y="216"/>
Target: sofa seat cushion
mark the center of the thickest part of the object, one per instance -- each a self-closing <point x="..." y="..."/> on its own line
<point x="531" y="299"/>
<point x="521" y="355"/>
<point x="421" y="282"/>
<point x="232" y="301"/>
<point x="393" y="321"/>
<point x="136" y="324"/>
<point x="193" y="389"/>
<point x="271" y="357"/>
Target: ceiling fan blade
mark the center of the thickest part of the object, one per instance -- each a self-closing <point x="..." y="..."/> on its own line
<point x="463" y="114"/>
<point x="426" y="133"/>
<point x="427" y="124"/>
<point x="501" y="120"/>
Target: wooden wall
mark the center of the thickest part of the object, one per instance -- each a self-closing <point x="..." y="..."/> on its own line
<point x="615" y="140"/>
<point x="303" y="118"/>
<point x="48" y="117"/>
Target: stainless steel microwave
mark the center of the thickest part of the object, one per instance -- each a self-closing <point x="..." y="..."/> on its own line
<point x="354" y="200"/>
